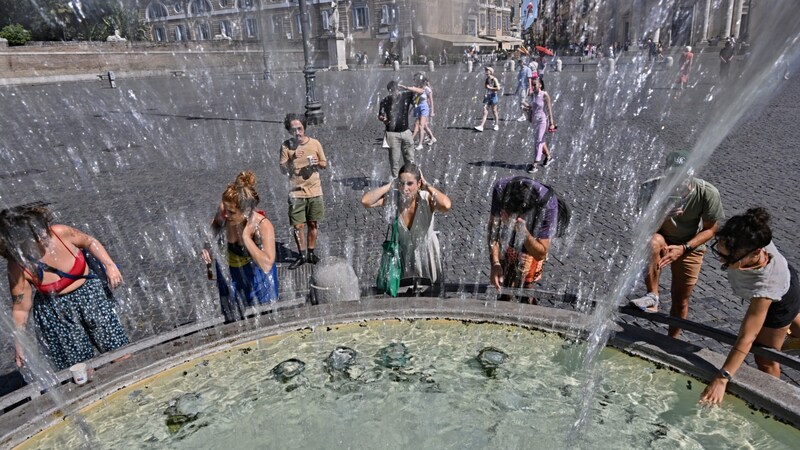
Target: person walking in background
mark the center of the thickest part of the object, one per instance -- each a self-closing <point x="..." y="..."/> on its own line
<point x="760" y="275"/>
<point x="685" y="69"/>
<point x="302" y="157"/>
<point x="490" y="98"/>
<point x="414" y="202"/>
<point x="72" y="309"/>
<point x="525" y="215"/>
<point x="250" y="250"/>
<point x="423" y="109"/>
<point x="692" y="221"/>
<point x="725" y="60"/>
<point x="393" y="112"/>
<point x="541" y="117"/>
<point x="523" y="89"/>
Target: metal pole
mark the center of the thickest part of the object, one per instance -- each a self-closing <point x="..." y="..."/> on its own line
<point x="314" y="114"/>
<point x="262" y="27"/>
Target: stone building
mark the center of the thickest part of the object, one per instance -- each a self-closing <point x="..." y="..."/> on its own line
<point x="372" y="27"/>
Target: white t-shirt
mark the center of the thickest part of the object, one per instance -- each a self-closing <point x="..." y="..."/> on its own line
<point x="770" y="281"/>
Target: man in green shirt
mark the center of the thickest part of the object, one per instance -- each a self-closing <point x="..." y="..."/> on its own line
<point x="680" y="241"/>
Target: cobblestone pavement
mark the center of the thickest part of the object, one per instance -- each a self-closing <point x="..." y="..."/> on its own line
<point x="143" y="166"/>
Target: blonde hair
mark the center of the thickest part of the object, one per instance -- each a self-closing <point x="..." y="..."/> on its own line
<point x="242" y="192"/>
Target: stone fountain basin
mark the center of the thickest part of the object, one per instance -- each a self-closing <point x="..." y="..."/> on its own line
<point x="19" y="424"/>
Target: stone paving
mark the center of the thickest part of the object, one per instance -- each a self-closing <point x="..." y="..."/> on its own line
<point x="142" y="167"/>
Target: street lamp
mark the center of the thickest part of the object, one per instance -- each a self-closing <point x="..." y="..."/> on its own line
<point x="314" y="114"/>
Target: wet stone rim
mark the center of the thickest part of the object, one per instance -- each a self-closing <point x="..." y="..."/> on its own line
<point x="760" y="390"/>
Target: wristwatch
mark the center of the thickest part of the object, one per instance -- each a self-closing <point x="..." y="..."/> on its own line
<point x="687" y="248"/>
<point x="725" y="374"/>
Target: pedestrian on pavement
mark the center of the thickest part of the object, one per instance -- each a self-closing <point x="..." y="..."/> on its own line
<point x="72" y="309"/>
<point x="692" y="221"/>
<point x="541" y="117"/>
<point x="525" y="215"/>
<point x="414" y="201"/>
<point x="759" y="274"/>
<point x="725" y="60"/>
<point x="423" y="109"/>
<point x="523" y="89"/>
<point x="393" y="112"/>
<point x="490" y="98"/>
<point x="685" y="68"/>
<point x="249" y="239"/>
<point x="302" y="157"/>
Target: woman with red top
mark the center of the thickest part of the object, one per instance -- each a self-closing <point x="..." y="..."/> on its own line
<point x="48" y="273"/>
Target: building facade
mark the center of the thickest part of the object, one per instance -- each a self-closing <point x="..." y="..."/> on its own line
<point x="372" y="27"/>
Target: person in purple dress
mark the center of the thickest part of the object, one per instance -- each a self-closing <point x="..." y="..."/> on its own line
<point x="540" y="110"/>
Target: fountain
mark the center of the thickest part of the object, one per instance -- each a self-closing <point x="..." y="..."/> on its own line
<point x="177" y="141"/>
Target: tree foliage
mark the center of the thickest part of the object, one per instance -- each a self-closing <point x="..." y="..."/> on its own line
<point x="16" y="34"/>
<point x="70" y="20"/>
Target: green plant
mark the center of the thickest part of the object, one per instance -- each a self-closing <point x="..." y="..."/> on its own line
<point x="16" y="34"/>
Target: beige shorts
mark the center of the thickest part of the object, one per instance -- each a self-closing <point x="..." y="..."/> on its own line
<point x="686" y="269"/>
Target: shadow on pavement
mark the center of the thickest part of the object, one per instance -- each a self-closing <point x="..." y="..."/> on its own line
<point x="502" y="164"/>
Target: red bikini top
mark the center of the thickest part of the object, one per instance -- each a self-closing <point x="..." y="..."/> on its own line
<point x="67" y="278"/>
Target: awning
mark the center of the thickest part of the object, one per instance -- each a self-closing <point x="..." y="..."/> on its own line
<point x="505" y="39"/>
<point x="458" y="40"/>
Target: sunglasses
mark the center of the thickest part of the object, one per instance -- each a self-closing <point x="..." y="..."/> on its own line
<point x="726" y="257"/>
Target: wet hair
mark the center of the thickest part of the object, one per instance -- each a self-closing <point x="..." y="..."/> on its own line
<point x="391" y="86"/>
<point x="291" y="117"/>
<point x="22" y="228"/>
<point x="522" y="198"/>
<point x="411" y="168"/>
<point x="242" y="192"/>
<point x="420" y="78"/>
<point x="746" y="232"/>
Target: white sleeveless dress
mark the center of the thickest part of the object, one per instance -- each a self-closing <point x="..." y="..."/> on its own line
<point x="419" y="246"/>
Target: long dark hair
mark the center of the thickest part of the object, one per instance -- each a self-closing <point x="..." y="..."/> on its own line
<point x="522" y="198"/>
<point x="746" y="232"/>
<point x="22" y="230"/>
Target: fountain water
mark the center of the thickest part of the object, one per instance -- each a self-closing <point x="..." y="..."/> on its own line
<point x="179" y="141"/>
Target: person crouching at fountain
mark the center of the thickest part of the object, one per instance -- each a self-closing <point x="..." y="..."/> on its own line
<point x="72" y="309"/>
<point x="414" y="202"/>
<point x="301" y="158"/>
<point x="250" y="250"/>
<point x="680" y="241"/>
<point x="525" y="215"/>
<point x="758" y="273"/>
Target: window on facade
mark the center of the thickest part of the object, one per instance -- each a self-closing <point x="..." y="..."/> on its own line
<point x="198" y="7"/>
<point x="251" y="27"/>
<point x="360" y="16"/>
<point x="388" y="14"/>
<point x="483" y="21"/>
<point x="326" y="20"/>
<point x="203" y="32"/>
<point x="298" y="27"/>
<point x="226" y="28"/>
<point x="491" y="21"/>
<point x="224" y="3"/>
<point x="180" y="33"/>
<point x="277" y="25"/>
<point x="245" y="3"/>
<point x="156" y="11"/>
<point x="161" y="34"/>
<point x="472" y="27"/>
<point x="506" y="23"/>
<point x="178" y="7"/>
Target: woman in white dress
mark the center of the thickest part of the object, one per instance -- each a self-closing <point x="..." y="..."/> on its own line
<point x="414" y="202"/>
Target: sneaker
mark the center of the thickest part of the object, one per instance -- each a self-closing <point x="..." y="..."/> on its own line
<point x="547" y="161"/>
<point x="647" y="303"/>
<point x="479" y="128"/>
<point x="531" y="168"/>
<point x="418" y="147"/>
<point x="496" y="127"/>
<point x="313" y="258"/>
<point x="297" y="263"/>
<point x="522" y="119"/>
<point x="432" y="141"/>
